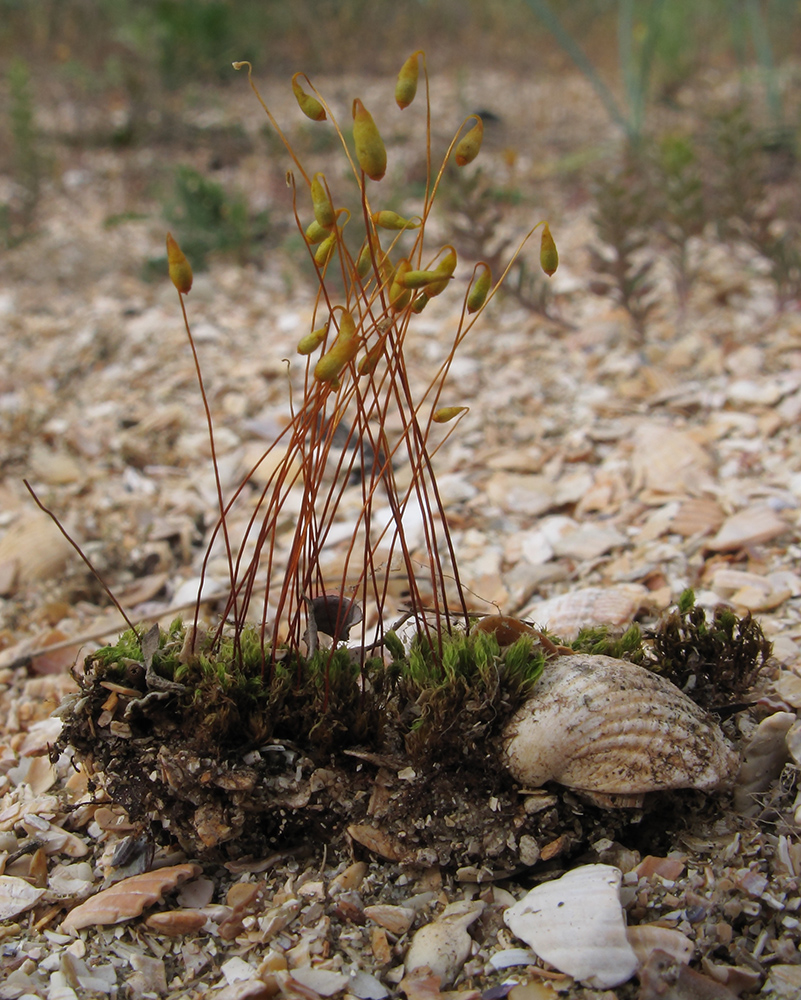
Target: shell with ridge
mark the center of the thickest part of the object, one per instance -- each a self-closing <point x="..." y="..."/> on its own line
<point x="598" y="724"/>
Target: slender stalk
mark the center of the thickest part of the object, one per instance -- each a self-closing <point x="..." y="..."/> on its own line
<point x="81" y="553"/>
<point x="215" y="466"/>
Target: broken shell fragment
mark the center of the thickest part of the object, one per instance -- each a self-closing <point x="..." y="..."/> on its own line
<point x="576" y="923"/>
<point x="599" y="724"/>
<point x="752" y="526"/>
<point x="763" y="760"/>
<point x="645" y="939"/>
<point x="17" y="896"/>
<point x="443" y="945"/>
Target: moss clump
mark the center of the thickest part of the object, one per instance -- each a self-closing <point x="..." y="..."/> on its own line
<point x="716" y="661"/>
<point x="207" y="740"/>
<point x="451" y="702"/>
<point x="604" y="640"/>
<point x="435" y="701"/>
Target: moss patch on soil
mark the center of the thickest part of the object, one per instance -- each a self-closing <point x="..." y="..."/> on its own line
<point x="230" y="751"/>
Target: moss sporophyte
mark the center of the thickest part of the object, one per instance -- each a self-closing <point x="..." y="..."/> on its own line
<point x="381" y="652"/>
<point x="358" y="418"/>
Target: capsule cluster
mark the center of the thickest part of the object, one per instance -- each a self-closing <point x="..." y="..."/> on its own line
<point x="398" y="284"/>
<point x="375" y="274"/>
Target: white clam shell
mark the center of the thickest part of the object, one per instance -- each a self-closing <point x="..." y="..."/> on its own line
<point x="605" y="725"/>
<point x="576" y="923"/>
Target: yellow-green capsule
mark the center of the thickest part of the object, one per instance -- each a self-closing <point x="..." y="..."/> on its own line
<point x="323" y="253"/>
<point x="406" y="87"/>
<point x="309" y="105"/>
<point x="347" y="328"/>
<point x="369" y="362"/>
<point x="364" y="261"/>
<point x="324" y="213"/>
<point x="344" y="350"/>
<point x="315" y="233"/>
<point x="443" y="272"/>
<point x="447" y="265"/>
<point x="420" y="279"/>
<point x="370" y="150"/>
<point x="310" y="343"/>
<point x="329" y="366"/>
<point x="479" y="290"/>
<point x="420" y="303"/>
<point x="179" y="267"/>
<point x="549" y="255"/>
<point x="399" y="294"/>
<point x="391" y="220"/>
<point x="446" y="413"/>
<point x="468" y="146"/>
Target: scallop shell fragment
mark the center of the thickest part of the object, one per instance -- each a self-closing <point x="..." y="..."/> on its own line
<point x="567" y="614"/>
<point x="599" y="724"/>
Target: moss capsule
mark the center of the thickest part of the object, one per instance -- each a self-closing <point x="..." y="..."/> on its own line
<point x="443" y="273"/>
<point x="419" y="279"/>
<point x="391" y="220"/>
<point x="549" y="255"/>
<point x="310" y="343"/>
<point x="315" y="233"/>
<point x="344" y="350"/>
<point x="406" y="87"/>
<point x="479" y="290"/>
<point x="309" y="105"/>
<point x="370" y="150"/>
<point x="399" y="294"/>
<point x="323" y="253"/>
<point x="324" y="213"/>
<point x="469" y="145"/>
<point x="179" y="267"/>
<point x="447" y="413"/>
<point x="364" y="262"/>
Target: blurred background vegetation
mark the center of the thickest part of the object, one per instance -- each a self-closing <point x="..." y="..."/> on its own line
<point x="142" y="63"/>
<point x="147" y="44"/>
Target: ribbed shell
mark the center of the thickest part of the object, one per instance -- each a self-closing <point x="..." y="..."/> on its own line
<point x="567" y="614"/>
<point x="606" y="725"/>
